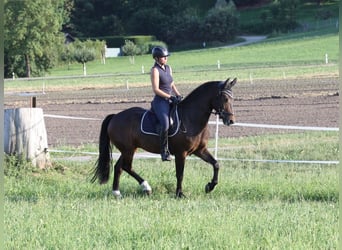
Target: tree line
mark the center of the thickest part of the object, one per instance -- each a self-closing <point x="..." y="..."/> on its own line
<point x="34" y="29"/>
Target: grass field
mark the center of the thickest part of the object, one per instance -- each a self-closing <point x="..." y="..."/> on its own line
<point x="255" y="206"/>
<point x="290" y="58"/>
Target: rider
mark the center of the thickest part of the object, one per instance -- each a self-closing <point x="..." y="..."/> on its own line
<point x="163" y="86"/>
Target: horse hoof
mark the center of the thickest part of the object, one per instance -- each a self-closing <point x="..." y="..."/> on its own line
<point x="180" y="195"/>
<point x="146" y="188"/>
<point x="210" y="187"/>
<point x="117" y="194"/>
<point x="147" y="192"/>
<point x="207" y="188"/>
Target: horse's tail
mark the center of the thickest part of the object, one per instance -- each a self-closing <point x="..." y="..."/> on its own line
<point x="102" y="166"/>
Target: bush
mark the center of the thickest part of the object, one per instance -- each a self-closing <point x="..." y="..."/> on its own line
<point x="131" y="49"/>
<point x="153" y="44"/>
<point x="140" y="40"/>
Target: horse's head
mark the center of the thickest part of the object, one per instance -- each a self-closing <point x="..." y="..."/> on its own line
<point x="224" y="103"/>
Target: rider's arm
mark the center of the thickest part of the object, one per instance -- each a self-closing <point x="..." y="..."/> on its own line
<point x="174" y="88"/>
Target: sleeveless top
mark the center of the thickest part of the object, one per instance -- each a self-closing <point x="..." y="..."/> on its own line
<point x="165" y="78"/>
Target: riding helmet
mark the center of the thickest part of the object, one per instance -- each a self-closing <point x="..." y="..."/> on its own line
<point x="159" y="52"/>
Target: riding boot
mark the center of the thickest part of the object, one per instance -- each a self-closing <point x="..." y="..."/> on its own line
<point x="164" y="150"/>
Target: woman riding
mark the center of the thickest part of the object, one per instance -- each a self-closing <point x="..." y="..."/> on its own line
<point x="165" y="92"/>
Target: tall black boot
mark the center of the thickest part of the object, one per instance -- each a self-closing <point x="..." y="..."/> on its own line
<point x="164" y="150"/>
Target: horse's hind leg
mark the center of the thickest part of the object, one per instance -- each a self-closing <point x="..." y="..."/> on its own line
<point x="117" y="173"/>
<point x="205" y="155"/>
<point x="127" y="166"/>
<point x="180" y="161"/>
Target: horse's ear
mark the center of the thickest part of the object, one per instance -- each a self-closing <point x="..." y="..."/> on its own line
<point x="225" y="84"/>
<point x="229" y="85"/>
<point x="232" y="83"/>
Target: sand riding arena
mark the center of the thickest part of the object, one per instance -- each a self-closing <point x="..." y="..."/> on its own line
<point x="294" y="102"/>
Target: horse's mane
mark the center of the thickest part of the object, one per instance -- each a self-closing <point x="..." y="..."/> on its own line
<point x="203" y="88"/>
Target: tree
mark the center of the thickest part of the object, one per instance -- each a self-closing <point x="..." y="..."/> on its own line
<point x="67" y="54"/>
<point x="220" y="24"/>
<point x="184" y="27"/>
<point x="100" y="49"/>
<point x="220" y="4"/>
<point x="147" y="21"/>
<point x="130" y="49"/>
<point x="84" y="53"/>
<point x="284" y="14"/>
<point x="32" y="35"/>
<point x="92" y="18"/>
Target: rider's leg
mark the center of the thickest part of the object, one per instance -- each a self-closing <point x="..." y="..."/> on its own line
<point x="164" y="146"/>
<point x="161" y="108"/>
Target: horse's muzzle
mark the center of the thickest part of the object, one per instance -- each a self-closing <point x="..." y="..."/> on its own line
<point x="228" y="120"/>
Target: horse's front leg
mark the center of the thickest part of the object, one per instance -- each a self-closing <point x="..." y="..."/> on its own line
<point x="180" y="160"/>
<point x="205" y="155"/>
<point x="211" y="185"/>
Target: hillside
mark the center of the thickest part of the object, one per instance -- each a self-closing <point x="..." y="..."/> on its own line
<point x="308" y="16"/>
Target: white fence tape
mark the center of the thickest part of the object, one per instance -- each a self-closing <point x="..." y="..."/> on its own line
<point x="71" y="117"/>
<point x="254" y="125"/>
<point x="217" y="122"/>
<point x="281" y="161"/>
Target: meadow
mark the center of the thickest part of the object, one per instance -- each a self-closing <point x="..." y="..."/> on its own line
<point x="283" y="58"/>
<point x="256" y="205"/>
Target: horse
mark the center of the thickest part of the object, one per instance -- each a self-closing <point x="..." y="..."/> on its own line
<point x="123" y="131"/>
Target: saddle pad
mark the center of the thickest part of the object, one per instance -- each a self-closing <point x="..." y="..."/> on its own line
<point x="149" y="123"/>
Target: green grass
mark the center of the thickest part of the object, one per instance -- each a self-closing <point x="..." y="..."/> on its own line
<point x="255" y="206"/>
<point x="297" y="52"/>
<point x="295" y="57"/>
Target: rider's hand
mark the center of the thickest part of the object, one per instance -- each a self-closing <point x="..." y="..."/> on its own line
<point x="174" y="99"/>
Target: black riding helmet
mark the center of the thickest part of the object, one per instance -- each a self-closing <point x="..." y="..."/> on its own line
<point x="159" y="52"/>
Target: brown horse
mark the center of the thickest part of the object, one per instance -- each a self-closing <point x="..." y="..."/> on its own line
<point x="123" y="131"/>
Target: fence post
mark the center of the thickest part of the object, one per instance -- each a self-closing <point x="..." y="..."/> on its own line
<point x="216" y="135"/>
<point x="33" y="102"/>
<point x="25" y="135"/>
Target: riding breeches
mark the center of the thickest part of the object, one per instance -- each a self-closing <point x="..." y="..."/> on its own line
<point x="161" y="108"/>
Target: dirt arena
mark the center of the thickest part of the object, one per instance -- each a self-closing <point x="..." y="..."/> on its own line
<point x="297" y="102"/>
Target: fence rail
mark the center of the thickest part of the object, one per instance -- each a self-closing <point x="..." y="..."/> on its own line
<point x="217" y="123"/>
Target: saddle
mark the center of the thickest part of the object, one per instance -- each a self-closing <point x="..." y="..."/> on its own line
<point x="149" y="123"/>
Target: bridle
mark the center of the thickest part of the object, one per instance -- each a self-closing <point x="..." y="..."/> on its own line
<point x="220" y="110"/>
